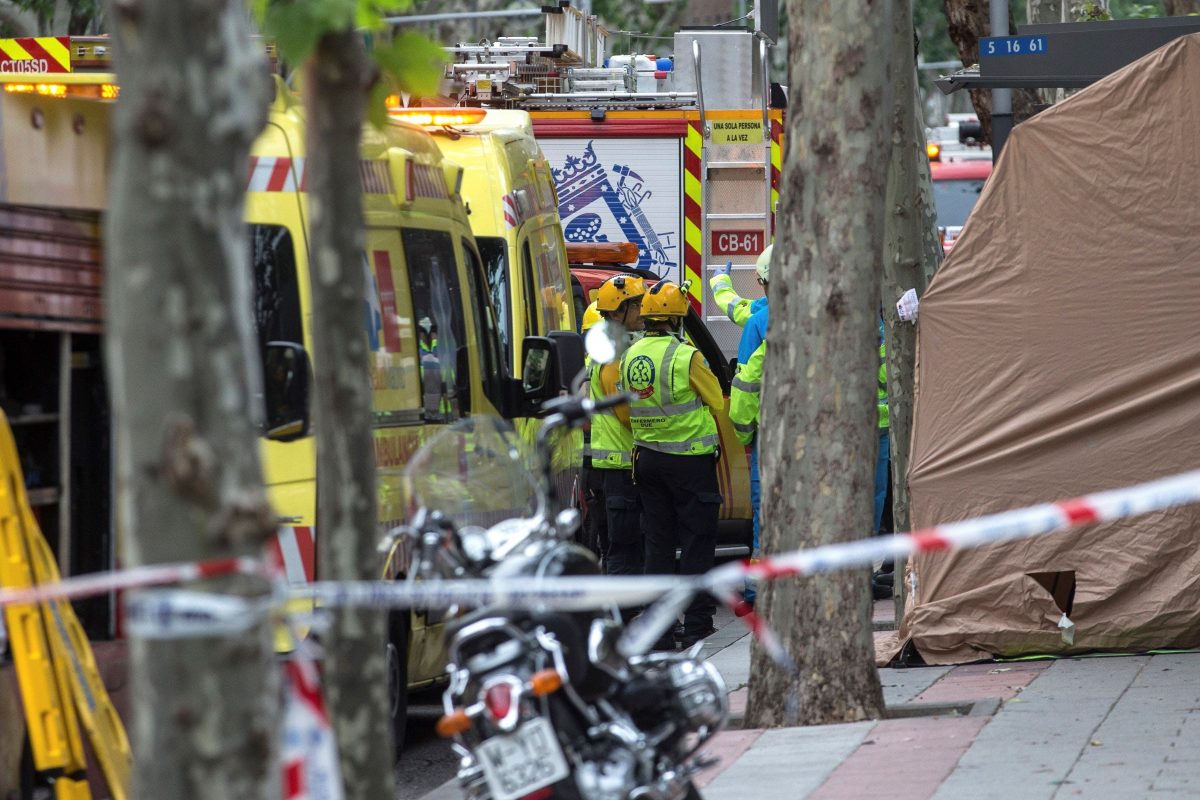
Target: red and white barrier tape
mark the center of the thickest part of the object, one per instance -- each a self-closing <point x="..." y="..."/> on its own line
<point x="583" y="593"/>
<point x="133" y="578"/>
<point x="1006" y="526"/>
<point x="576" y="593"/>
<point x="310" y="761"/>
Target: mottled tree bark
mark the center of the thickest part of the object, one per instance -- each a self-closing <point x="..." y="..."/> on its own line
<point x="819" y="435"/>
<point x="967" y="21"/>
<point x="931" y="245"/>
<point x="185" y="381"/>
<point x="1043" y="11"/>
<point x="1180" y="8"/>
<point x="337" y="78"/>
<point x="910" y="256"/>
<point x="1049" y="11"/>
<point x="18" y="20"/>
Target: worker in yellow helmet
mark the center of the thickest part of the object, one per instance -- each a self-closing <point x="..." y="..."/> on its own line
<point x="591" y="315"/>
<point x="594" y="529"/>
<point x="618" y="302"/>
<point x="675" y="449"/>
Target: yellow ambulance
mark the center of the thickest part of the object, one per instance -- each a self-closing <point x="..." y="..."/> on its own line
<point x="437" y="351"/>
<point x="509" y="193"/>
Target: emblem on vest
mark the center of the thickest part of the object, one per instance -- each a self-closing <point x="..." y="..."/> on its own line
<point x="641" y="376"/>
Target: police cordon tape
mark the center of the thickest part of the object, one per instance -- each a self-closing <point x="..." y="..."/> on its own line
<point x="1006" y="526"/>
<point x="98" y="583"/>
<point x="582" y="593"/>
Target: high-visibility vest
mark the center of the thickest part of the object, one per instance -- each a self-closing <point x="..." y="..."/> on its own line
<point x="668" y="415"/>
<point x="736" y="307"/>
<point x="611" y="443"/>
<point x="744" y="396"/>
<point x="882" y="394"/>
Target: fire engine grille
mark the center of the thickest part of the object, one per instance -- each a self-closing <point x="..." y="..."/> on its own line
<point x="736" y="190"/>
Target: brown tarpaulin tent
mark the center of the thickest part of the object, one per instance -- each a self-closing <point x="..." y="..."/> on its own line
<point x="1058" y="354"/>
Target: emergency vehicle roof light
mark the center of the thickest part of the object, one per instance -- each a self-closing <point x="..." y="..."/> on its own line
<point x="91" y="91"/>
<point x="438" y="117"/>
<point x="602" y="253"/>
<point x="44" y="89"/>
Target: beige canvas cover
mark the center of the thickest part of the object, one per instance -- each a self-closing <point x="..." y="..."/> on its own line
<point x="1058" y="354"/>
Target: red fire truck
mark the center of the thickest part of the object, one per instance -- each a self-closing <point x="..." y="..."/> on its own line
<point x="679" y="153"/>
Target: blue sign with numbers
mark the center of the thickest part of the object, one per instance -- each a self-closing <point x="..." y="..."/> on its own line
<point x="1012" y="46"/>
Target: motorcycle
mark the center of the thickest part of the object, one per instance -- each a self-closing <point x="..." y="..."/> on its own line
<point x="549" y="703"/>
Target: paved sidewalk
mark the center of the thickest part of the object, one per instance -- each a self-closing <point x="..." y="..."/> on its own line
<point x="1102" y="727"/>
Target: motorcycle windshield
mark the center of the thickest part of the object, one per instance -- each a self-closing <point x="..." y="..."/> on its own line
<point x="478" y="471"/>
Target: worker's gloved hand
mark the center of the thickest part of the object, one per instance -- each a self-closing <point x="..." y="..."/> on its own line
<point x="726" y="269"/>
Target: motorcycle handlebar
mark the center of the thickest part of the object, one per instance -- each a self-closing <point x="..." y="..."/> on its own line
<point x="569" y="410"/>
<point x="612" y="401"/>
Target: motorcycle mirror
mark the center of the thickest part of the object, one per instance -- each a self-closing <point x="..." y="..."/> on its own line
<point x="602" y="638"/>
<point x="566" y="523"/>
<point x="605" y="341"/>
<point x="475" y="545"/>
<point x="641" y="635"/>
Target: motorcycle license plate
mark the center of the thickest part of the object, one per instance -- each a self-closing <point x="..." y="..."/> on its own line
<point x="523" y="761"/>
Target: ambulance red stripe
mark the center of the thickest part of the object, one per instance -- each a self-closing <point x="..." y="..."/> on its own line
<point x="279" y="174"/>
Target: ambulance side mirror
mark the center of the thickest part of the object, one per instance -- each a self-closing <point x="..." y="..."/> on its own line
<point x="570" y="356"/>
<point x="285" y="391"/>
<point x="538" y="381"/>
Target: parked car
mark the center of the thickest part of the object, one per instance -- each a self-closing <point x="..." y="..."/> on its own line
<point x="958" y="140"/>
<point x="956" y="187"/>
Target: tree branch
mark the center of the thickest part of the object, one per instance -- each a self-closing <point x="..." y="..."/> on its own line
<point x="60" y="24"/>
<point x="20" y="21"/>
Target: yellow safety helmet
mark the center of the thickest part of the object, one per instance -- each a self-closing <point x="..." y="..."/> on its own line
<point x="665" y="299"/>
<point x="763" y="265"/>
<point x="617" y="289"/>
<point x="591" y="315"/>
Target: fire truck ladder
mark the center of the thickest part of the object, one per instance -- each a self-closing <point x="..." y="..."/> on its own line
<point x="60" y="685"/>
<point x="736" y="181"/>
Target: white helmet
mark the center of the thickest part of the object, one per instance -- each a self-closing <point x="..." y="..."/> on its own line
<point x="763" y="265"/>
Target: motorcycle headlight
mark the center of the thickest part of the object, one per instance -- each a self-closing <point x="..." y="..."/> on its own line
<point x="700" y="694"/>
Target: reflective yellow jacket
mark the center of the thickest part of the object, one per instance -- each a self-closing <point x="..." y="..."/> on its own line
<point x="744" y="396"/>
<point x="736" y="307"/>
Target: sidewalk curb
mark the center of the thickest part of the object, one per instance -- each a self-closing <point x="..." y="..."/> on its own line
<point x="979" y="707"/>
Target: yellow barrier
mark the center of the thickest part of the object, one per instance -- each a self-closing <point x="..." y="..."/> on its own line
<point x="56" y="671"/>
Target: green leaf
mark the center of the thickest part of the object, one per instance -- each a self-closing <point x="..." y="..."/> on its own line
<point x="336" y="14"/>
<point x="295" y="29"/>
<point x="259" y="9"/>
<point x="414" y="62"/>
<point x="389" y="7"/>
<point x="368" y="17"/>
<point x="376" y="106"/>
<point x="297" y="25"/>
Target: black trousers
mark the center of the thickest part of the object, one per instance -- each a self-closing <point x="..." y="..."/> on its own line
<point x="624" y="507"/>
<point x="681" y="503"/>
<point x="594" y="532"/>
